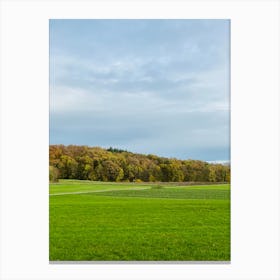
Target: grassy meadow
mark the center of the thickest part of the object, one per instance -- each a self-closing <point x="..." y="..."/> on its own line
<point x="98" y="221"/>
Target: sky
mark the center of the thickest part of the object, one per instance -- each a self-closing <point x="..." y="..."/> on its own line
<point x="147" y="86"/>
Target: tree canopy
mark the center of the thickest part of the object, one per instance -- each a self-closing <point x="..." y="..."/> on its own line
<point x="98" y="164"/>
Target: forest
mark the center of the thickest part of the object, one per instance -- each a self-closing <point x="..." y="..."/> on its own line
<point x="116" y="165"/>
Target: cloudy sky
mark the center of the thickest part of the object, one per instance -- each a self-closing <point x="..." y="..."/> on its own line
<point x="147" y="86"/>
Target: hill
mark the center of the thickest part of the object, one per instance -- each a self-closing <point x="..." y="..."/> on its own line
<point x="98" y="164"/>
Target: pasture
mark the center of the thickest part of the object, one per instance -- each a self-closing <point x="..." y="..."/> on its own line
<point x="98" y="221"/>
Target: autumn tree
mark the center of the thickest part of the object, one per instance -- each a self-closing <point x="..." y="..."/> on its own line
<point x="53" y="174"/>
<point x="95" y="163"/>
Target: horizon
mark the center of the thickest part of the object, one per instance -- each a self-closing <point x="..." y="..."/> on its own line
<point x="147" y="86"/>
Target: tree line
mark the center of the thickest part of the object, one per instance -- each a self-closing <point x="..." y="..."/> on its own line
<point x="116" y="165"/>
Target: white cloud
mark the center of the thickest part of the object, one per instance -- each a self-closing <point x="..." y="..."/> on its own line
<point x="68" y="99"/>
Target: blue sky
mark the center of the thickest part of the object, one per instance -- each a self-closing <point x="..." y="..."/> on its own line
<point x="148" y="86"/>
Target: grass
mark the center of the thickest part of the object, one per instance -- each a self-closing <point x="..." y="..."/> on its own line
<point x="115" y="222"/>
<point x="72" y="186"/>
<point x="175" y="193"/>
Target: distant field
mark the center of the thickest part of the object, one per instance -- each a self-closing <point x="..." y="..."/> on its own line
<point x="69" y="186"/>
<point x="139" y="222"/>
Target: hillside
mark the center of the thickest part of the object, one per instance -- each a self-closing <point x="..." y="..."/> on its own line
<point x="98" y="164"/>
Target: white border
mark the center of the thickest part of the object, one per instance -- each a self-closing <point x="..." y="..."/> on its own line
<point x="254" y="138"/>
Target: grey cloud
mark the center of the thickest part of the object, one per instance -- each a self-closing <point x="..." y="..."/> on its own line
<point x="149" y="86"/>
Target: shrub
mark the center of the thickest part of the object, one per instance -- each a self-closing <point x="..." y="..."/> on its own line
<point x="53" y="174"/>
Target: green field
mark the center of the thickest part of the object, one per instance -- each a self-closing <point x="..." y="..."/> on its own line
<point x="97" y="221"/>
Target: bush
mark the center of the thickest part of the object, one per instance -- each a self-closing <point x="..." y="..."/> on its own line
<point x="53" y="174"/>
<point x="138" y="181"/>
